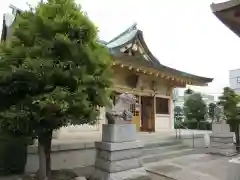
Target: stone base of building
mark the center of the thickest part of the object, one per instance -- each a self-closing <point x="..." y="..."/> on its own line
<point x="118" y="155"/>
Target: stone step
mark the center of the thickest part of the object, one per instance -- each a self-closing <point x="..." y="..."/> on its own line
<point x="153" y="144"/>
<point x="222" y="139"/>
<point x="163" y="149"/>
<point x="221" y="145"/>
<point x="167" y="155"/>
<point x="223" y="152"/>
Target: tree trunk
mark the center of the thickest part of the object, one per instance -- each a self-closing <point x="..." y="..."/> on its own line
<point x="212" y="120"/>
<point x="48" y="153"/>
<point x="237" y="137"/>
<point x="44" y="151"/>
<point x="42" y="173"/>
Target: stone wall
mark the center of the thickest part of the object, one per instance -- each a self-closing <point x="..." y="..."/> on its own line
<point x="77" y="130"/>
<point x="199" y="141"/>
<point x="81" y="156"/>
<point x="67" y="155"/>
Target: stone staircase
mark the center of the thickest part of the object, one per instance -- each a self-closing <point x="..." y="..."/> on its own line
<point x="159" y="150"/>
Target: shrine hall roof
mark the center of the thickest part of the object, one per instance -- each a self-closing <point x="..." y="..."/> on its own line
<point x="134" y="37"/>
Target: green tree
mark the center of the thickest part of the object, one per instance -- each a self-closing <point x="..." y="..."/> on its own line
<point x="212" y="111"/>
<point x="230" y="103"/>
<point x="178" y="113"/>
<point x="195" y="108"/>
<point x="53" y="73"/>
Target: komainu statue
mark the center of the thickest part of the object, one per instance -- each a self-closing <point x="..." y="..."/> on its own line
<point x="119" y="113"/>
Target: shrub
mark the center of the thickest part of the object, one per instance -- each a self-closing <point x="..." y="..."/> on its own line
<point x="191" y="124"/>
<point x="13" y="154"/>
<point x="204" y="125"/>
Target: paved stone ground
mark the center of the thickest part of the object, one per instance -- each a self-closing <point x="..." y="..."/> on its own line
<point x="194" y="167"/>
<point x="190" y="167"/>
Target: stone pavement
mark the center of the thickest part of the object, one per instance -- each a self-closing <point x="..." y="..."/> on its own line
<point x="192" y="167"/>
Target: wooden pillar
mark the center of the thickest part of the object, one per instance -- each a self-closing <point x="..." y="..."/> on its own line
<point x="154" y="112"/>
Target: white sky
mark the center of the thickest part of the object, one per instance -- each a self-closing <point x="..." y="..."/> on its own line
<point x="182" y="34"/>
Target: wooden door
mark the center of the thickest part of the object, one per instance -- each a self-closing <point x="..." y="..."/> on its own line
<point x="147" y="114"/>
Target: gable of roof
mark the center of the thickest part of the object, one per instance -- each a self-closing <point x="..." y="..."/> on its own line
<point x="134" y="35"/>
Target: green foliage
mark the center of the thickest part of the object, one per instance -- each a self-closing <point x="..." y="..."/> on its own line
<point x="230" y="101"/>
<point x="195" y="108"/>
<point x="202" y="125"/>
<point x="178" y="113"/>
<point x="13" y="154"/>
<point x="53" y="72"/>
<point x="212" y="110"/>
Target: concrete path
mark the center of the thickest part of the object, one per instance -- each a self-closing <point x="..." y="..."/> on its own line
<point x="193" y="167"/>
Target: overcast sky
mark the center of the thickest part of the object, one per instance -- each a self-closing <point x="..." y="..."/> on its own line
<point x="182" y="34"/>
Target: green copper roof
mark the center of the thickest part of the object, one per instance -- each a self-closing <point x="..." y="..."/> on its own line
<point x="124" y="37"/>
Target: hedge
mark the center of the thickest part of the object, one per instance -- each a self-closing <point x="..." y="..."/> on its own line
<point x="13" y="154"/>
<point x="203" y="125"/>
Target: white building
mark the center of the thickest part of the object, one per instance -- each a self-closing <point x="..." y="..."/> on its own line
<point x="234" y="80"/>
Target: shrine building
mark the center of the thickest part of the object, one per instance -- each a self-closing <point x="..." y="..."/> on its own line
<point x="136" y="70"/>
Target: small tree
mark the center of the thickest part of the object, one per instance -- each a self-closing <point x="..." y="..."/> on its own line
<point x="195" y="108"/>
<point x="178" y="113"/>
<point x="230" y="103"/>
<point x="211" y="111"/>
<point x="53" y="73"/>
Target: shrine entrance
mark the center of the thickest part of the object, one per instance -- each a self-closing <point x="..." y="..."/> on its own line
<point x="147" y="114"/>
<point x="135" y="110"/>
<point x="143" y="113"/>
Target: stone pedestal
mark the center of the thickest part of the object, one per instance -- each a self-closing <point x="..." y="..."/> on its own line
<point x="118" y="154"/>
<point x="221" y="140"/>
